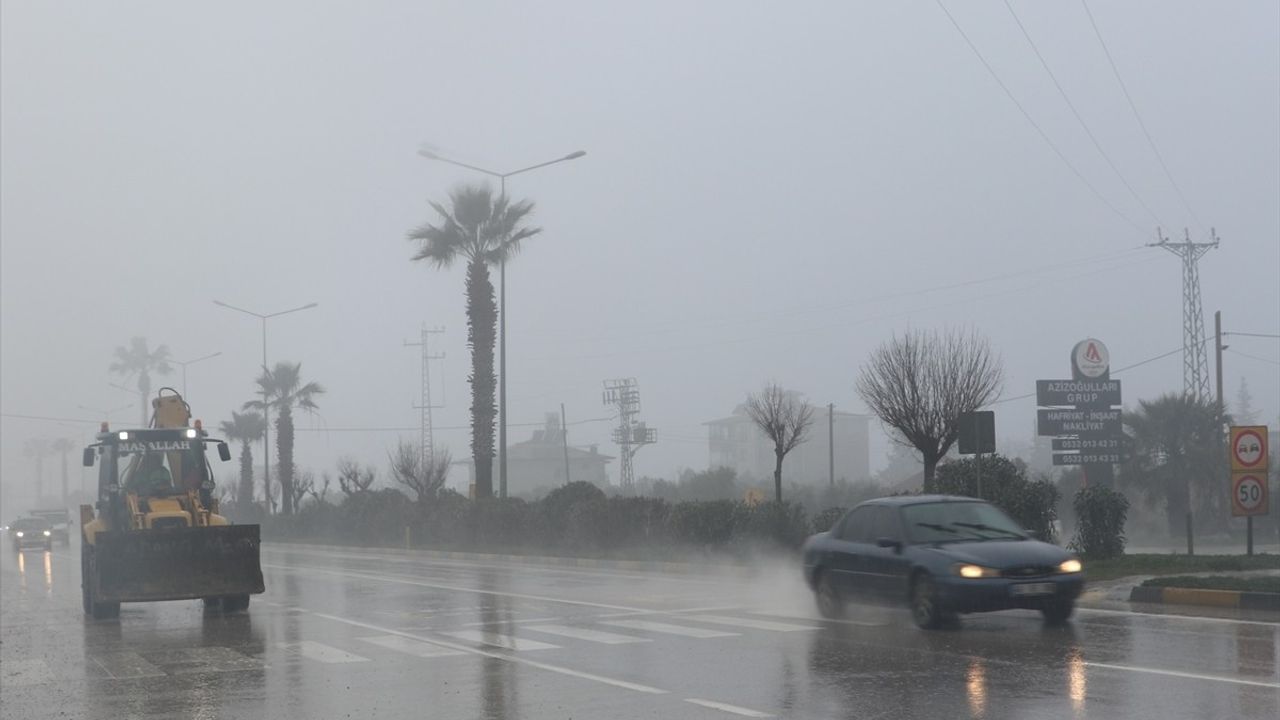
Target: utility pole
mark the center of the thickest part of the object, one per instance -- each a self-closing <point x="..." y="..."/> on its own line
<point x="1218" y="347"/>
<point x="426" y="441"/>
<point x="1195" y="370"/>
<point x="630" y="435"/>
<point x="564" y="438"/>
<point x="831" y="444"/>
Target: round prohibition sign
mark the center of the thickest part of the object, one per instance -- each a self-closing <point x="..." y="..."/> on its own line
<point x="1250" y="494"/>
<point x="1247" y="448"/>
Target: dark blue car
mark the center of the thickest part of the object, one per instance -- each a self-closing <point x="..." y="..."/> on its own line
<point x="943" y="556"/>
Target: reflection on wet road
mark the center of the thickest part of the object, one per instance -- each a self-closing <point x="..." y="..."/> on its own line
<point x="352" y="633"/>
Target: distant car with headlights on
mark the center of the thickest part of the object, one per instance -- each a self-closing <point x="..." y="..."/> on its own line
<point x="942" y="556"/>
<point x="31" y="532"/>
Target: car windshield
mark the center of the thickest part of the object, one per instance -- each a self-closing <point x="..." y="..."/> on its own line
<point x="959" y="521"/>
<point x="26" y="524"/>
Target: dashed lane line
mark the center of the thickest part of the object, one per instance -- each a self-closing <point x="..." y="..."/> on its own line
<point x="416" y="648"/>
<point x="1180" y="674"/>
<point x="320" y="652"/>
<point x="754" y="624"/>
<point x="580" y="633"/>
<point x="736" y="710"/>
<point x="499" y="640"/>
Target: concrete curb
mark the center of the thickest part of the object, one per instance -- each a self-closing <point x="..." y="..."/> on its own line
<point x="661" y="566"/>
<point x="1213" y="598"/>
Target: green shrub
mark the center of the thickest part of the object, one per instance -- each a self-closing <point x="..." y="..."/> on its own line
<point x="826" y="519"/>
<point x="772" y="523"/>
<point x="1100" y="515"/>
<point x="704" y="523"/>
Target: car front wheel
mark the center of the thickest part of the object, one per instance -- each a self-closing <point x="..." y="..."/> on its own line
<point x="926" y="607"/>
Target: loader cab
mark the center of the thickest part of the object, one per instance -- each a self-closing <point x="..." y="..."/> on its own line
<point x="150" y="471"/>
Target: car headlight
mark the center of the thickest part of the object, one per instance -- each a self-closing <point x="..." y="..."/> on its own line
<point x="19" y="533"/>
<point x="1070" y="566"/>
<point x="966" y="570"/>
<point x="47" y="533"/>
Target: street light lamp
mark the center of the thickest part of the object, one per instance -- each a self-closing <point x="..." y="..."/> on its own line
<point x="185" y="363"/>
<point x="502" y="303"/>
<point x="266" y="414"/>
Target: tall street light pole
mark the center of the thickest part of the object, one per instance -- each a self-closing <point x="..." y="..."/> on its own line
<point x="502" y="304"/>
<point x="266" y="413"/>
<point x="185" y="363"/>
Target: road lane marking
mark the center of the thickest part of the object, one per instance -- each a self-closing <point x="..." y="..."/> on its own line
<point x="802" y="616"/>
<point x="500" y="656"/>
<point x="750" y="623"/>
<point x="457" y="588"/>
<point x="507" y="642"/>
<point x="669" y="629"/>
<point x="597" y="636"/>
<point x="126" y="666"/>
<point x="745" y="712"/>
<point x="24" y="673"/>
<point x="323" y="653"/>
<point x="411" y="647"/>
<point x="1178" y="673"/>
<point x="213" y="658"/>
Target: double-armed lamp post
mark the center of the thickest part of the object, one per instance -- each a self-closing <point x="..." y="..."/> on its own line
<point x="502" y="304"/>
<point x="266" y="414"/>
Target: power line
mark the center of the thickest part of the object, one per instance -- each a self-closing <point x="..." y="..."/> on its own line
<point x="1117" y="371"/>
<point x="1036" y="125"/>
<point x="50" y="419"/>
<point x="1253" y="357"/>
<point x="1245" y="334"/>
<point x="1138" y="116"/>
<point x="447" y="427"/>
<point x="1097" y="145"/>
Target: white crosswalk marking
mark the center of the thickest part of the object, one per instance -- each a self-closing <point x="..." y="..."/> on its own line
<point x="22" y="673"/>
<point x="411" y="647"/>
<point x="578" y="633"/>
<point x="127" y="665"/>
<point x="750" y="623"/>
<point x="660" y="627"/>
<point x="493" y="639"/>
<point x="312" y="650"/>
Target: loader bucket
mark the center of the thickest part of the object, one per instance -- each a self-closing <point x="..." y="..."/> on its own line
<point x="177" y="563"/>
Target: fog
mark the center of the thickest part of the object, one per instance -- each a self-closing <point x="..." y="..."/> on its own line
<point x="770" y="191"/>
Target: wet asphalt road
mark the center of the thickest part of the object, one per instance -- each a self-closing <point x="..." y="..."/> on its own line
<point x="364" y="634"/>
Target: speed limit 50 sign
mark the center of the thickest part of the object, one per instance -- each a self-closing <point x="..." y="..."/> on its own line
<point x="1249" y="494"/>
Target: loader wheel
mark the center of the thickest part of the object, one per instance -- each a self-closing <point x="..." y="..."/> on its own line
<point x="97" y="610"/>
<point x="235" y="603"/>
<point x="211" y="602"/>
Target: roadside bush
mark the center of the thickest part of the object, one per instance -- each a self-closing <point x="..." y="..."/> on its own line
<point x="554" y="510"/>
<point x="704" y="523"/>
<point x="502" y="523"/>
<point x="1100" y="516"/>
<point x="634" y="522"/>
<point x="826" y="519"/>
<point x="1032" y="503"/>
<point x="376" y="517"/>
<point x="772" y="523"/>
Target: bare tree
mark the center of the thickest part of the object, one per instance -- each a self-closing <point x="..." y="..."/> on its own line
<point x="352" y="478"/>
<point x="920" y="384"/>
<point x="785" y="419"/>
<point x="424" y="478"/>
<point x="304" y="484"/>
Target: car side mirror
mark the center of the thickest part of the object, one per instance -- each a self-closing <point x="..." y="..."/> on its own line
<point x="885" y="542"/>
<point x="224" y="452"/>
<point x="88" y="457"/>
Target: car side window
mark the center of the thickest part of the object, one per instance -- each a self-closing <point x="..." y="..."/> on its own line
<point x="885" y="524"/>
<point x="857" y="525"/>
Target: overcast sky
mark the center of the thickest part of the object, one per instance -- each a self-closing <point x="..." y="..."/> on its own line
<point x="770" y="191"/>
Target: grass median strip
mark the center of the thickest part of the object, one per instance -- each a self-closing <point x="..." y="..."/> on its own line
<point x="1172" y="564"/>
<point x="1256" y="583"/>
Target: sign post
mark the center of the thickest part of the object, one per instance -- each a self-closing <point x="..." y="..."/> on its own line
<point x="1080" y="414"/>
<point x="1249" y="461"/>
<point x="977" y="435"/>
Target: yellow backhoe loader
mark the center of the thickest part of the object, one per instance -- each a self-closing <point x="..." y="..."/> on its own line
<point x="156" y="533"/>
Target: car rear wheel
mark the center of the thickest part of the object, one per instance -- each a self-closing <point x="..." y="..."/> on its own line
<point x="926" y="608"/>
<point x="830" y="604"/>
<point x="1056" y="612"/>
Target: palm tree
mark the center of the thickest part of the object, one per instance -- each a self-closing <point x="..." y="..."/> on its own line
<point x="136" y="359"/>
<point x="63" y="447"/>
<point x="247" y="428"/>
<point x="37" y="449"/>
<point x="484" y="230"/>
<point x="283" y="390"/>
<point x="1178" y="459"/>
